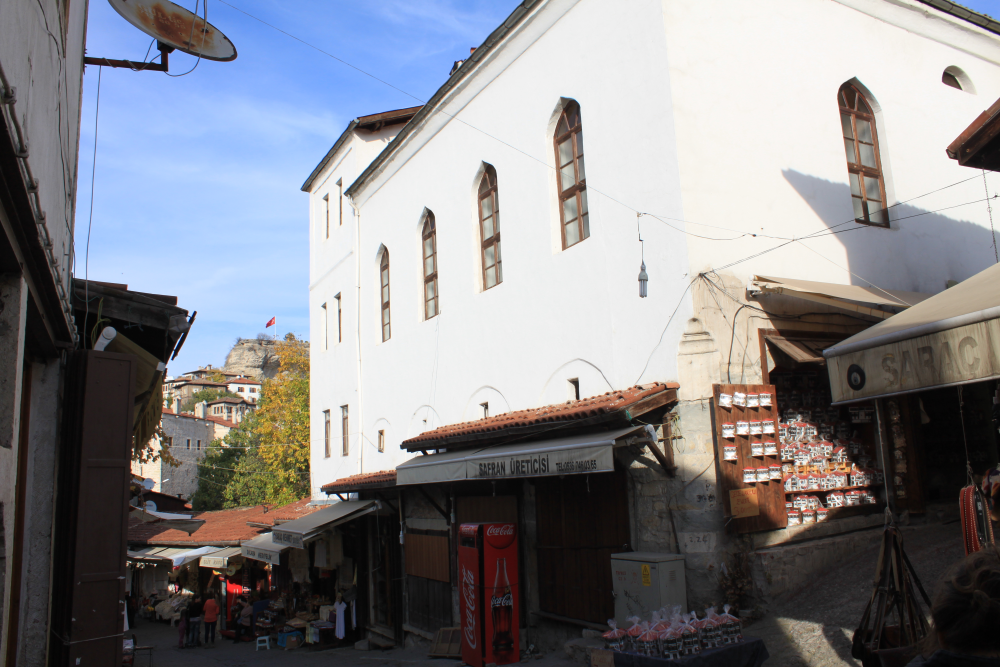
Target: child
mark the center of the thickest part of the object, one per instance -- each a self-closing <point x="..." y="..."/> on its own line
<point x="182" y="626"/>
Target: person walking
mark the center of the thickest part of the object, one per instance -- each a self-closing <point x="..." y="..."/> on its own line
<point x="194" y="621"/>
<point x="210" y="615"/>
<point x="182" y="627"/>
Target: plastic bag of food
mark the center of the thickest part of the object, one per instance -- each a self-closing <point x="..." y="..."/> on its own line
<point x="614" y="639"/>
<point x="732" y="627"/>
<point x="670" y="643"/>
<point x="648" y="643"/>
<point x="690" y="643"/>
<point x="632" y="634"/>
<point x="709" y="629"/>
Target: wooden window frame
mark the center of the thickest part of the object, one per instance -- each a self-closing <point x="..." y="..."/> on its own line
<point x="326" y="434"/>
<point x="381" y="440"/>
<point x="492" y="188"/>
<point x="340" y="337"/>
<point x="579" y="188"/>
<point x="385" y="315"/>
<point x="326" y="205"/>
<point x="856" y="168"/>
<point x="428" y="232"/>
<point x="345" y="430"/>
<point x="326" y="330"/>
<point x="189" y="444"/>
<point x="340" y="202"/>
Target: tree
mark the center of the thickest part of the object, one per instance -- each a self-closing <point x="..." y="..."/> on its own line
<point x="206" y="395"/>
<point x="266" y="458"/>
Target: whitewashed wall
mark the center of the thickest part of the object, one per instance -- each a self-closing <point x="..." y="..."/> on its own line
<point x="332" y="271"/>
<point x="720" y="113"/>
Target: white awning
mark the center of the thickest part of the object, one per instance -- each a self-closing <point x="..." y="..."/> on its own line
<point x="950" y="339"/>
<point x="561" y="456"/>
<point x="262" y="548"/>
<point x="297" y="533"/>
<point x="184" y="522"/>
<point x="844" y="297"/>
<point x="220" y="558"/>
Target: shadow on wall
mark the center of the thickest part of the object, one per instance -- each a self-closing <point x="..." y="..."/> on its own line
<point x="919" y="254"/>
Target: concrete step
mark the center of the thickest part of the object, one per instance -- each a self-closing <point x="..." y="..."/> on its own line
<point x="578" y="650"/>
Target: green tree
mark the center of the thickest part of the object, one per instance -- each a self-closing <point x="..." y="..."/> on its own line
<point x="206" y="395"/>
<point x="266" y="458"/>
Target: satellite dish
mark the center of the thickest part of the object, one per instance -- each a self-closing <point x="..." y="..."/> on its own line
<point x="148" y="484"/>
<point x="150" y="506"/>
<point x="177" y="27"/>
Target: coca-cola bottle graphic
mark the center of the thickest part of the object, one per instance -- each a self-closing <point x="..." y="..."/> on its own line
<point x="502" y="607"/>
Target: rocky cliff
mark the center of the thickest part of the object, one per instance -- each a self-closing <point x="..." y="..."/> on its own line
<point x="253" y="358"/>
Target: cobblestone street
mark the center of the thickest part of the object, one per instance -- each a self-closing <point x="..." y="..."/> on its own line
<point x="814" y="625"/>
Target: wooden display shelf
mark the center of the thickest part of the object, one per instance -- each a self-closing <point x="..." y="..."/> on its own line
<point x="839" y="488"/>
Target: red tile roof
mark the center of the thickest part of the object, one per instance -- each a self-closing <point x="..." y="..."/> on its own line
<point x="241" y="381"/>
<point x="220" y="420"/>
<point x="221" y="528"/>
<point x="368" y="480"/>
<point x="614" y="405"/>
<point x="186" y="415"/>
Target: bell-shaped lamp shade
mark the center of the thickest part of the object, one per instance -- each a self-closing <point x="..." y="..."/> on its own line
<point x="643" y="279"/>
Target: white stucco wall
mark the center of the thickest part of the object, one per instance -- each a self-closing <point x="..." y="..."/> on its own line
<point x="717" y="113"/>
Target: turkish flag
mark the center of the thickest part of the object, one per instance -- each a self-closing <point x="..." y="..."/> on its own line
<point x="270" y="322"/>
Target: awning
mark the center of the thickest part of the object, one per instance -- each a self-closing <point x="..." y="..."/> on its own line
<point x="220" y="558"/>
<point x="184" y="522"/>
<point x="562" y="456"/>
<point x="262" y="548"/>
<point x="950" y="339"/>
<point x="297" y="533"/>
<point x="844" y="297"/>
<point x="140" y="557"/>
<point x="802" y="351"/>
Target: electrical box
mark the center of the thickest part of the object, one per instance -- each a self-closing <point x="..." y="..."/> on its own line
<point x="644" y="582"/>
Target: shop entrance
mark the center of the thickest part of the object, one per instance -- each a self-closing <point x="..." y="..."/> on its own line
<point x="582" y="520"/>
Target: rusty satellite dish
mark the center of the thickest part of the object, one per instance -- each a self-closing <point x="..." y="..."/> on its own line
<point x="175" y="26"/>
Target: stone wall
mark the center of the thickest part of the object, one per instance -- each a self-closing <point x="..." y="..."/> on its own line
<point x="181" y="480"/>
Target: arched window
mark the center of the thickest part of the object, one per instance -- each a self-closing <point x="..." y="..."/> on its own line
<point x="573" y="211"/>
<point x="384" y="272"/>
<point x="429" y="237"/>
<point x="863" y="164"/>
<point x="489" y="228"/>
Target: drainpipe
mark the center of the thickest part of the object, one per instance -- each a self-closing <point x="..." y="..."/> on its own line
<point x="357" y="269"/>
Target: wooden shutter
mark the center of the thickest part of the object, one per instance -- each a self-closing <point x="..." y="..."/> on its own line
<point x="427" y="556"/>
<point x="92" y="510"/>
<point x="771" y="494"/>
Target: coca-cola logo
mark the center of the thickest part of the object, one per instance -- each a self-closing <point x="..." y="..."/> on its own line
<point x="468" y="529"/>
<point x="469" y="595"/>
<point x="506" y="600"/>
<point x="500" y="535"/>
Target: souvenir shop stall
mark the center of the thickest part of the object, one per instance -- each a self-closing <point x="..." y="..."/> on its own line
<point x="932" y="374"/>
<point x="311" y="596"/>
<point x="786" y="455"/>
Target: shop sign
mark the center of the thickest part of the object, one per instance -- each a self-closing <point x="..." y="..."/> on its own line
<point x="963" y="354"/>
<point x="556" y="462"/>
<point x="217" y="563"/>
<point x="289" y="539"/>
<point x="260" y="554"/>
<point x="744" y="503"/>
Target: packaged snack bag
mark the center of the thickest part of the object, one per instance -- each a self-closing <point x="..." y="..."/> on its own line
<point x="658" y="622"/>
<point x="732" y="628"/>
<point x="710" y="630"/>
<point x="614" y="639"/>
<point x="670" y="642"/>
<point x="690" y="644"/>
<point x="632" y="634"/>
<point x="648" y="643"/>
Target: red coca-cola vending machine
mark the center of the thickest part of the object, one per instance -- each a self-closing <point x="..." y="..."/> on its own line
<point x="487" y="572"/>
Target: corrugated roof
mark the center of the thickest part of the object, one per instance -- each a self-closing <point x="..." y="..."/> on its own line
<point x="584" y="412"/>
<point x="368" y="480"/>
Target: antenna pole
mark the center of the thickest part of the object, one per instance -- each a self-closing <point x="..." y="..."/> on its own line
<point x="162" y="66"/>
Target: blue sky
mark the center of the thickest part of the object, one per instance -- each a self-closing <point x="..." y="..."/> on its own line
<point x="196" y="192"/>
<point x="197" y="182"/>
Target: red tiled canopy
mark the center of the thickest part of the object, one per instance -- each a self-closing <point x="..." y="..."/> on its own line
<point x="613" y="406"/>
<point x="368" y="480"/>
